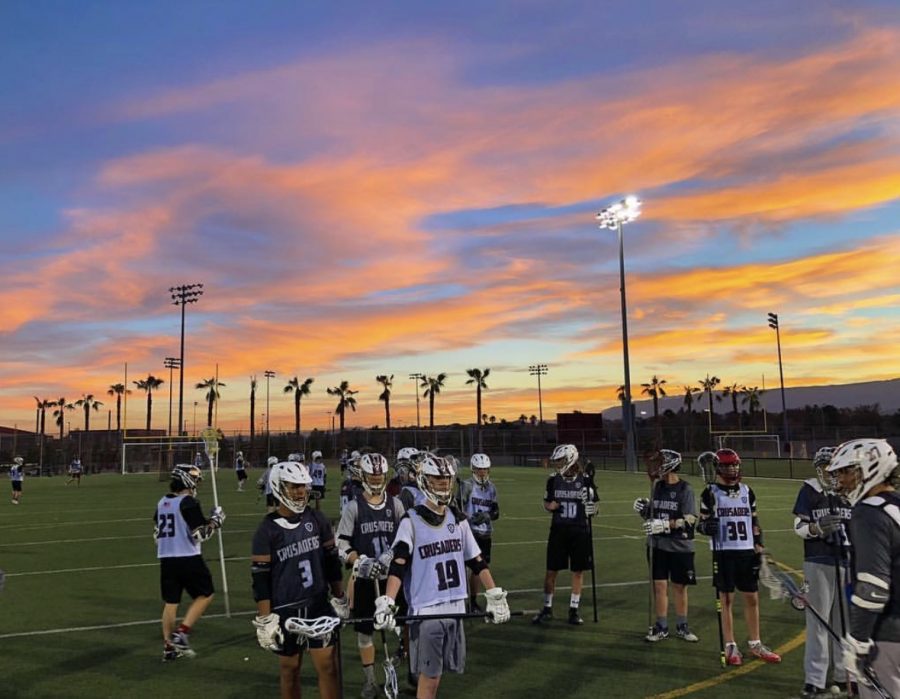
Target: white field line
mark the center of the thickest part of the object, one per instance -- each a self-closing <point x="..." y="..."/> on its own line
<point x="146" y="622"/>
<point x="230" y="559"/>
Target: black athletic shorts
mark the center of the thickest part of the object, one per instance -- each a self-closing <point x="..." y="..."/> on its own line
<point x="569" y="547"/>
<point x="292" y="642"/>
<point x="241" y="474"/>
<point x="738" y="569"/>
<point x="364" y="604"/>
<point x="17" y="486"/>
<point x="187" y="573"/>
<point x="484" y="543"/>
<point x="677" y="566"/>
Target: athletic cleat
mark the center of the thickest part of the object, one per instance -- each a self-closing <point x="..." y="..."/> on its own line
<point x="733" y="655"/>
<point x="546" y="614"/>
<point x="169" y="654"/>
<point x="657" y="633"/>
<point x="760" y="651"/>
<point x="182" y="645"/>
<point x="574" y="619"/>
<point x="369" y="691"/>
<point x="685" y="634"/>
<point x="810" y="691"/>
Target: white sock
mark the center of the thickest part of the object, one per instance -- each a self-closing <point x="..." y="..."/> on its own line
<point x="574" y="600"/>
<point x="548" y="599"/>
<point x="755" y="643"/>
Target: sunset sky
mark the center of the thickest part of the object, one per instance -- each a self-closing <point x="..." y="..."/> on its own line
<point x="386" y="188"/>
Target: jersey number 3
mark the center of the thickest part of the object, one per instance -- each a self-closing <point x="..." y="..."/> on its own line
<point x="448" y="574"/>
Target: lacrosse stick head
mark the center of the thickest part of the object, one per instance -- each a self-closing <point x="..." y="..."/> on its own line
<point x="708" y="461"/>
<point x="780" y="584"/>
<point x="210" y="437"/>
<point x="391" y="688"/>
<point x="317" y="628"/>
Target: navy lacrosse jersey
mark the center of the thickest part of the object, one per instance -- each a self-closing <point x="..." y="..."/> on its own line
<point x="375" y="526"/>
<point x="735" y="507"/>
<point x="812" y="503"/>
<point x="672" y="502"/>
<point x="176" y="517"/>
<point x="350" y="490"/>
<point x="295" y="545"/>
<point x="569" y="495"/>
<point x="477" y="499"/>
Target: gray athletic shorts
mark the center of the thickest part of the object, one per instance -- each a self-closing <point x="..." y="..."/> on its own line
<point x="437" y="646"/>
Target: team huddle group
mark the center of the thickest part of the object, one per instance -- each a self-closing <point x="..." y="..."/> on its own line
<point x="418" y="548"/>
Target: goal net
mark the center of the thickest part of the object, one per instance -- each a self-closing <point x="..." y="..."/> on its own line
<point x="159" y="457"/>
<point x="758" y="445"/>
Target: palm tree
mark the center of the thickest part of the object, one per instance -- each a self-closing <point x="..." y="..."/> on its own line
<point x="432" y="386"/>
<point x="386" y="381"/>
<point x="42" y="405"/>
<point x="688" y="401"/>
<point x="708" y="384"/>
<point x="252" y="409"/>
<point x="734" y="391"/>
<point x="345" y="399"/>
<point x="620" y="393"/>
<point x="150" y="384"/>
<point x="655" y="390"/>
<point x="299" y="390"/>
<point x="211" y="386"/>
<point x="478" y="377"/>
<point x="118" y="390"/>
<point x="88" y="403"/>
<point x="751" y="399"/>
<point x="60" y="413"/>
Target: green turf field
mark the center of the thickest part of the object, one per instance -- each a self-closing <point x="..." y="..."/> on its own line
<point x="81" y="602"/>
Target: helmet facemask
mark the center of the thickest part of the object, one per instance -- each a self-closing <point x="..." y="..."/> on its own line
<point x="436" y="479"/>
<point x="373" y="470"/>
<point x="481" y="468"/>
<point x="564" y="461"/>
<point x="290" y="484"/>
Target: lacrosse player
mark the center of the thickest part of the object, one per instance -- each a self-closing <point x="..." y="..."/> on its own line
<point x="240" y="470"/>
<point x="669" y="521"/>
<point x="820" y="519"/>
<point x="179" y="529"/>
<point x="317" y="473"/>
<point x="16" y="476"/>
<point x="434" y="544"/>
<point x="364" y="537"/>
<point x="866" y="473"/>
<point x="410" y="493"/>
<point x="75" y="470"/>
<point x="478" y="499"/>
<point x="294" y="565"/>
<point x="265" y="487"/>
<point x="571" y="502"/>
<point x="728" y="512"/>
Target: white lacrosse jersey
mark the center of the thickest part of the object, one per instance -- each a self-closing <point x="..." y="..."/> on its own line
<point x="317" y="473"/>
<point x="437" y="573"/>
<point x="16" y="473"/>
<point x="480" y="498"/>
<point x="173" y="535"/>
<point x="735" y="509"/>
<point x="239" y="464"/>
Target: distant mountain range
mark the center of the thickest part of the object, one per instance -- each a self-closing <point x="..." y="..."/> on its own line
<point x="885" y="393"/>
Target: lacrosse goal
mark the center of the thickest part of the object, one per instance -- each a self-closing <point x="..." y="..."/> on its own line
<point x="158" y="456"/>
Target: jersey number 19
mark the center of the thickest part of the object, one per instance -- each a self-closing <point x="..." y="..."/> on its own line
<point x="448" y="574"/>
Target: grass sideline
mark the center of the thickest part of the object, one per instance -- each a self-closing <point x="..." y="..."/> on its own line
<point x="84" y="557"/>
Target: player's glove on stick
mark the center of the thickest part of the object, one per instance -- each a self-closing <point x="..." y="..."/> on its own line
<point x="709" y="526"/>
<point x="268" y="631"/>
<point x="857" y="657"/>
<point x="341" y="606"/>
<point x="496" y="609"/>
<point x="641" y="505"/>
<point x="828" y="524"/>
<point x="363" y="568"/>
<point x="383" y="564"/>
<point x="385" y="609"/>
<point x="656" y="526"/>
<point x="217" y="517"/>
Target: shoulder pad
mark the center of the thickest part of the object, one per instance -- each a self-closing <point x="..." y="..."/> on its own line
<point x="459" y="514"/>
<point x="875" y="501"/>
<point x="814" y="484"/>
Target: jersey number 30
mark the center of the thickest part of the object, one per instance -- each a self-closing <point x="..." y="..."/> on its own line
<point x="448" y="574"/>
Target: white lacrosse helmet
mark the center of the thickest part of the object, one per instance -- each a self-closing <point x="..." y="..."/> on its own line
<point x="271" y="461"/>
<point x="480" y="465"/>
<point x="873" y="460"/>
<point x="240" y="455"/>
<point x="296" y="458"/>
<point x="407" y="453"/>
<point x="670" y="461"/>
<point x="18" y="461"/>
<point x="431" y="467"/>
<point x="186" y="476"/>
<point x="285" y="474"/>
<point x="373" y="471"/>
<point x="316" y="455"/>
<point x="563" y="460"/>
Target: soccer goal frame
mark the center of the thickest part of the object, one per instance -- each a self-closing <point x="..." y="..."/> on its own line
<point x="740" y="439"/>
<point x="158" y="457"/>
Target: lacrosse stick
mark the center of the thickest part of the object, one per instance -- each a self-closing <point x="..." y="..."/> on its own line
<point x="707" y="461"/>
<point x="589" y="476"/>
<point x="429" y="617"/>
<point x="653" y="462"/>
<point x="775" y="577"/>
<point x="210" y="437"/>
<point x="390" y="663"/>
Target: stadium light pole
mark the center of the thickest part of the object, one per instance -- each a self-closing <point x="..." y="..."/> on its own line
<point x="171" y="363"/>
<point x="614" y="217"/>
<point x="269" y="375"/>
<point x="539" y="370"/>
<point x="773" y="323"/>
<point x="182" y="296"/>
<point x="415" y="378"/>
